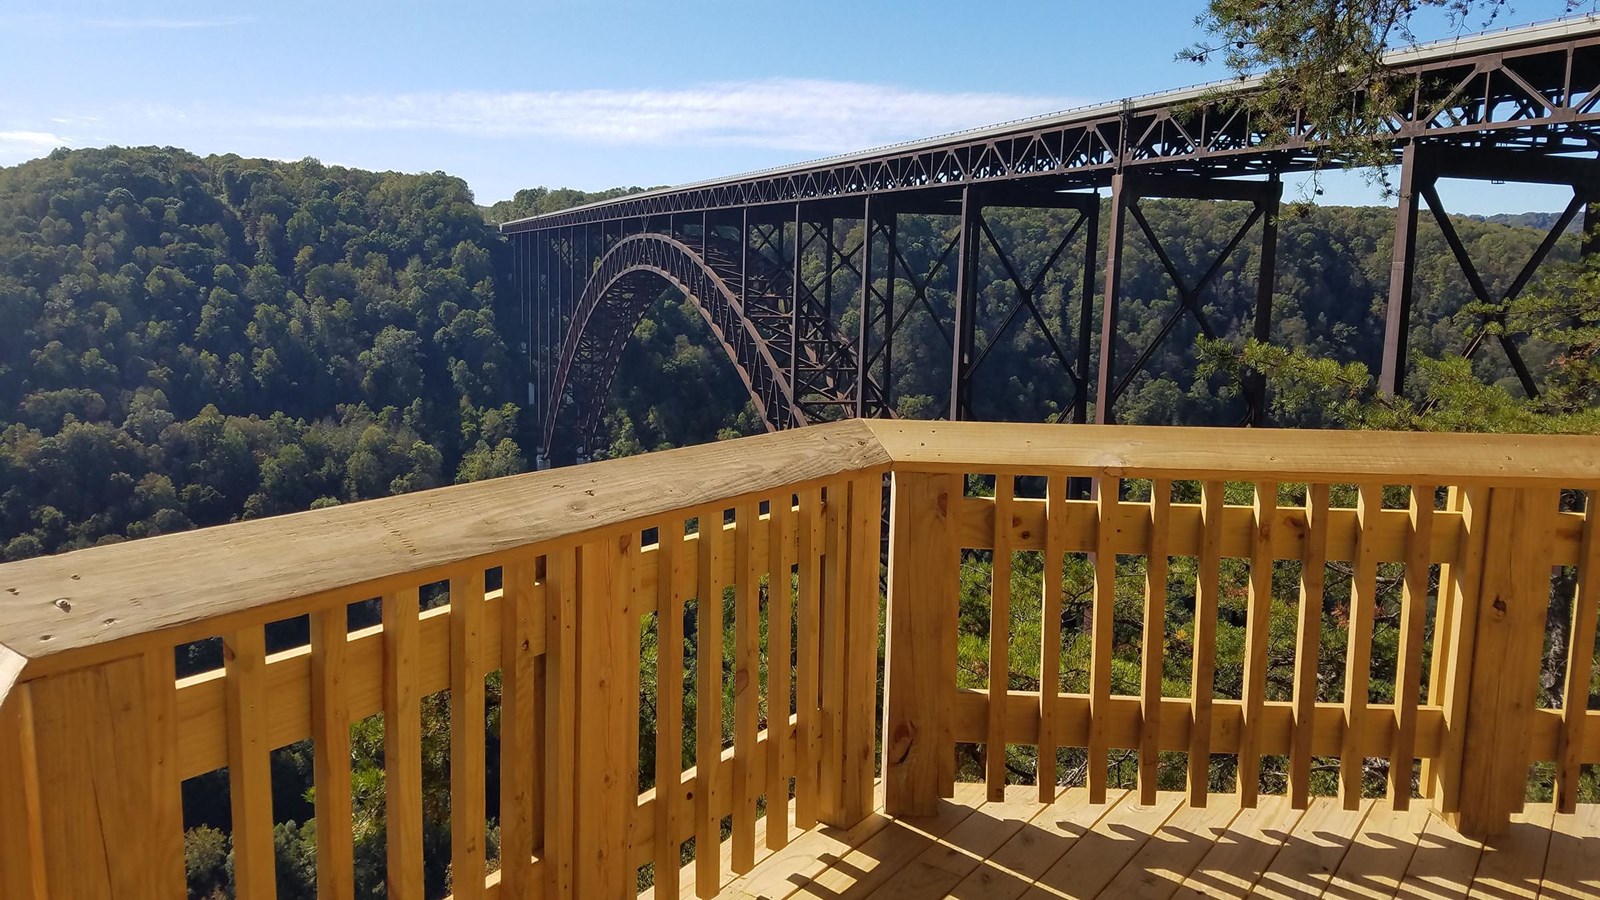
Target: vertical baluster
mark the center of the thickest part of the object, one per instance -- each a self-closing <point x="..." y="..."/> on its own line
<point x="780" y="604"/>
<point x="835" y="598"/>
<point x="605" y="784"/>
<point x="1105" y="603"/>
<point x="1413" y="615"/>
<point x="746" y="686"/>
<point x="244" y="655"/>
<point x="1257" y="631"/>
<point x="863" y="606"/>
<point x="164" y="843"/>
<point x="634" y="604"/>
<point x="1465" y="575"/>
<point x="520" y="783"/>
<point x="999" y="639"/>
<point x="1153" y="662"/>
<point x="1444" y="625"/>
<point x="561" y="721"/>
<point x="330" y="735"/>
<point x="466" y="735"/>
<point x="402" y="745"/>
<point x="1208" y="584"/>
<point x="1308" y="644"/>
<point x="669" y="704"/>
<point x="1055" y="551"/>
<point x="1580" y="661"/>
<point x="956" y="489"/>
<point x="1358" y="656"/>
<point x="808" y="658"/>
<point x="708" y="705"/>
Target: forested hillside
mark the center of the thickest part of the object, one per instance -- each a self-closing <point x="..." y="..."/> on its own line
<point x="188" y="341"/>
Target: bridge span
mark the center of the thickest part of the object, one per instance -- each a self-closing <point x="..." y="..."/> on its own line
<point x="799" y="270"/>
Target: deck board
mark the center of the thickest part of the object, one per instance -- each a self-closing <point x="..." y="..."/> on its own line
<point x="1244" y="852"/>
<point x="1009" y="871"/>
<point x="1018" y="847"/>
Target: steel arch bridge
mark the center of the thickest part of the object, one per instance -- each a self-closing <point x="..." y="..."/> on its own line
<point x="800" y="271"/>
<point x="741" y="296"/>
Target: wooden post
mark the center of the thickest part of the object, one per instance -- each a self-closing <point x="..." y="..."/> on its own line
<point x="110" y="822"/>
<point x="923" y="575"/>
<point x="860" y="611"/>
<point x="1494" y="648"/>
<point x="607" y="788"/>
<point x="21" y="853"/>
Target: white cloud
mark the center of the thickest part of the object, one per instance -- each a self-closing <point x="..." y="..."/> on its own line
<point x="813" y="116"/>
<point x="17" y="146"/>
<point x="54" y="22"/>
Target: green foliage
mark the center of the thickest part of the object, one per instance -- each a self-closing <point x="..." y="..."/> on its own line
<point x="540" y="200"/>
<point x="188" y="341"/>
<point x="1322" y="58"/>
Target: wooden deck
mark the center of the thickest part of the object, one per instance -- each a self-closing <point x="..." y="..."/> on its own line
<point x="1023" y="849"/>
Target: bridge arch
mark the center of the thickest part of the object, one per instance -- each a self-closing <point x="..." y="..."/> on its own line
<point x="626" y="282"/>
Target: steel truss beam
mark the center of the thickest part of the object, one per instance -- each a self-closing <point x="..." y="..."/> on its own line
<point x="1127" y="192"/>
<point x="1422" y="167"/>
<point x="1024" y="284"/>
<point x="790" y="355"/>
<point x="828" y="372"/>
<point x="903" y="296"/>
<point x="1537" y="90"/>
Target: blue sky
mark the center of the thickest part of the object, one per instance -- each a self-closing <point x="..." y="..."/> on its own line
<point x="588" y="93"/>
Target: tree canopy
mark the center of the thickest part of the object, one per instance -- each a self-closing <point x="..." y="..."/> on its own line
<point x="187" y="341"/>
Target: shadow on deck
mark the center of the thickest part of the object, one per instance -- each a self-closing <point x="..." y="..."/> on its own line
<point x="1021" y="848"/>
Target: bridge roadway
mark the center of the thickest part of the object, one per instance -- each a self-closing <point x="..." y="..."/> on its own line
<point x="766" y="256"/>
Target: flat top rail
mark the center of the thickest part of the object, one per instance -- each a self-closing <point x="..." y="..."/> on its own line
<point x="51" y="606"/>
<point x="1238" y="454"/>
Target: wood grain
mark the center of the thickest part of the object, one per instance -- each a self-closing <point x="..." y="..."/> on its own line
<point x="211" y="580"/>
<point x="922" y="605"/>
<point x="1232" y="454"/>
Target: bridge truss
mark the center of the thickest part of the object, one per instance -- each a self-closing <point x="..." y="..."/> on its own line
<point x="800" y="272"/>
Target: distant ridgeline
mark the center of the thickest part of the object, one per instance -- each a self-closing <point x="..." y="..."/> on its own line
<point x="186" y="341"/>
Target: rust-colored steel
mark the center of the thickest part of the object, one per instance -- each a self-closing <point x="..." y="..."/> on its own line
<point x="772" y="260"/>
<point x="741" y="295"/>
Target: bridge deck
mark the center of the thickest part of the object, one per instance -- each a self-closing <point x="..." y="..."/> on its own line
<point x="1022" y="848"/>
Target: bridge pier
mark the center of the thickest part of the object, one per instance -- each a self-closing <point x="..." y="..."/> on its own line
<point x="904" y="296"/>
<point x="1422" y="165"/>
<point x="1025" y="285"/>
<point x="1127" y="190"/>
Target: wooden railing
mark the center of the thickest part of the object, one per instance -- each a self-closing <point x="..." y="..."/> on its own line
<point x="554" y="580"/>
<point x="1473" y="546"/>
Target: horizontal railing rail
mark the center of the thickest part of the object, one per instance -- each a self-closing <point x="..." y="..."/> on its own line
<point x="736" y="593"/>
